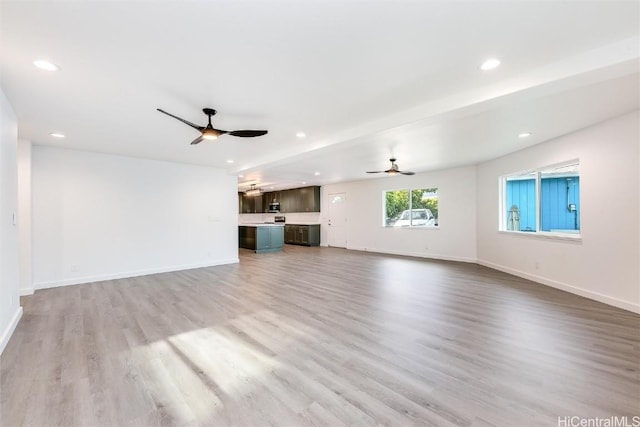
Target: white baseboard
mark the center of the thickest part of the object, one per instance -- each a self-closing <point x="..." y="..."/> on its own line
<point x="6" y="334"/>
<point x="625" y="305"/>
<point x="414" y="254"/>
<point x="124" y="275"/>
<point x="25" y="291"/>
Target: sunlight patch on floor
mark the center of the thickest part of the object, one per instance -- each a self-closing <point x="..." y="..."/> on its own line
<point x="202" y="369"/>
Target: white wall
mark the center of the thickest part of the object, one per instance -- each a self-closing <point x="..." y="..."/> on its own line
<point x="98" y="216"/>
<point x="24" y="216"/>
<point x="10" y="310"/>
<point x="454" y="239"/>
<point x="604" y="265"/>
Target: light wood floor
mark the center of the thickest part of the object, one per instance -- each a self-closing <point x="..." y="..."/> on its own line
<point x="319" y="336"/>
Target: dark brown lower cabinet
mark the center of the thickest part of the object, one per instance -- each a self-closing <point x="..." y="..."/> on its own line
<point x="301" y="234"/>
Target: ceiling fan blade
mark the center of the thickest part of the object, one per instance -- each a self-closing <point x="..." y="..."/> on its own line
<point x="198" y="140"/>
<point x="248" y="133"/>
<point x="220" y="132"/>
<point x="394" y="169"/>
<point x="193" y="125"/>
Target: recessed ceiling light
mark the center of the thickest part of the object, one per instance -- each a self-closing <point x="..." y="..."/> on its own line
<point x="240" y="176"/>
<point x="45" y="65"/>
<point x="304" y="182"/>
<point x="490" y="64"/>
<point x="316" y="173"/>
<point x="301" y="134"/>
<point x="524" y="135"/>
<point x="56" y="135"/>
<point x="229" y="161"/>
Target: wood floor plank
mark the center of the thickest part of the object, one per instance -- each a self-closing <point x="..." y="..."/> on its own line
<point x="319" y="337"/>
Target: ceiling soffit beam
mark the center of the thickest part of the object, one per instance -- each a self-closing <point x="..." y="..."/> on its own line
<point x="606" y="62"/>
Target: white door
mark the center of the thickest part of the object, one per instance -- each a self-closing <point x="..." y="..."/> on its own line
<point x="337" y="236"/>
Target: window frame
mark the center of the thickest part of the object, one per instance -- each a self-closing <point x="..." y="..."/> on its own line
<point x="538" y="233"/>
<point x="410" y="191"/>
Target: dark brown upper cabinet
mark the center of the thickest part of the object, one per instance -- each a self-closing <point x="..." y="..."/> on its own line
<point x="305" y="199"/>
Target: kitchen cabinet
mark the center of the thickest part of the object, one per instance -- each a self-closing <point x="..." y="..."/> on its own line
<point x="250" y="204"/>
<point x="305" y="199"/>
<point x="290" y="233"/>
<point x="308" y="199"/>
<point x="261" y="238"/>
<point x="287" y="203"/>
<point x="302" y="234"/>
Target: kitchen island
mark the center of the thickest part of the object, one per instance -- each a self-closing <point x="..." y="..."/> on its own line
<point x="261" y="237"/>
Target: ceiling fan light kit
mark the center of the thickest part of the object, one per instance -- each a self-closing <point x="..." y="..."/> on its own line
<point x="210" y="133"/>
<point x="394" y="169"/>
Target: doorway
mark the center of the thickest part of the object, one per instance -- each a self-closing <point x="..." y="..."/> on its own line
<point x="337" y="235"/>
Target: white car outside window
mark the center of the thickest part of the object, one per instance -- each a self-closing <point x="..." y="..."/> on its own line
<point x="415" y="218"/>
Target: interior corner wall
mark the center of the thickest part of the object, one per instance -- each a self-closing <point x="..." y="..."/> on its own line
<point x="99" y="217"/>
<point x="604" y="264"/>
<point x="10" y="310"/>
<point x="24" y="216"/>
<point x="453" y="239"/>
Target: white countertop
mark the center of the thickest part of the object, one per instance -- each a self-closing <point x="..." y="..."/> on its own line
<point x="260" y="224"/>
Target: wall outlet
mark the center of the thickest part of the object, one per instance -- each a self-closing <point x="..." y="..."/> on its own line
<point x="75" y="267"/>
<point x="537" y="265"/>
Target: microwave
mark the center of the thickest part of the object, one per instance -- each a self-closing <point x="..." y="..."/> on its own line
<point x="274" y="207"/>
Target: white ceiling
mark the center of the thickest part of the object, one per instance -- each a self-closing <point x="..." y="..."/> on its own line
<point x="364" y="80"/>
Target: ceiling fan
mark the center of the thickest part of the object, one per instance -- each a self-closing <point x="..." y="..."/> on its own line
<point x="211" y="133"/>
<point x="393" y="170"/>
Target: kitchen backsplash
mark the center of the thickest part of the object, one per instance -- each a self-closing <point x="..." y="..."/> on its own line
<point x="292" y="218"/>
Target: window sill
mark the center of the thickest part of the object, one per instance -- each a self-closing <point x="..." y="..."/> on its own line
<point x="545" y="235"/>
<point x="391" y="227"/>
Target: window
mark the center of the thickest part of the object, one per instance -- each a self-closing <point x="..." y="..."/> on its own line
<point x="411" y="208"/>
<point x="543" y="200"/>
